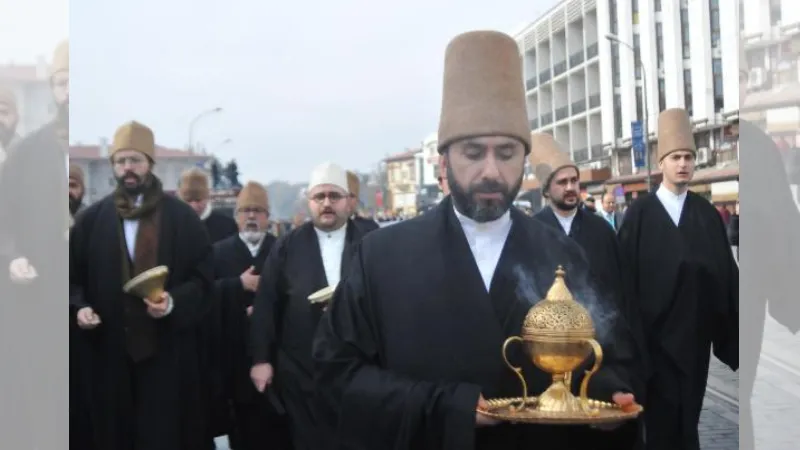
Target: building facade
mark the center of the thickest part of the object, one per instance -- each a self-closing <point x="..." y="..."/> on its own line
<point x="31" y="86"/>
<point x="403" y="176"/>
<point x="586" y="89"/>
<point x="99" y="177"/>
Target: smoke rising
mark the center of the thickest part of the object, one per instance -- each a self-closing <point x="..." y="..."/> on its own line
<point x="532" y="288"/>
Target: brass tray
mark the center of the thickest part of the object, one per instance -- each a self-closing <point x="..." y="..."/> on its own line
<point x="507" y="409"/>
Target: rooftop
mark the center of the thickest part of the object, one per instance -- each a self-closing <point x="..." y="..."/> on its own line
<point x="403" y="156"/>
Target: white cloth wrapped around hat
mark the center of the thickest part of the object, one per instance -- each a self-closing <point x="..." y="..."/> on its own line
<point x="329" y="173"/>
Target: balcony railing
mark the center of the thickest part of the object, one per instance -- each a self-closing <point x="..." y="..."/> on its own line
<point x="575" y="59"/>
<point x="580" y="155"/>
<point x="534" y="123"/>
<point x="562" y="113"/>
<point x="579" y="106"/>
<point x="594" y="101"/>
<point x="546" y="119"/>
<point x="530" y="84"/>
<point x="591" y="51"/>
<point x="559" y="68"/>
<point x="544" y="76"/>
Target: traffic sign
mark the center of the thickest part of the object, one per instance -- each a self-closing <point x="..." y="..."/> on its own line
<point x="637" y="143"/>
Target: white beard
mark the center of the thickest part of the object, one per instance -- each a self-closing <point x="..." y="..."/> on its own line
<point x="253" y="237"/>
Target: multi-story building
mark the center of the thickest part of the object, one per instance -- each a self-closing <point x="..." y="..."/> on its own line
<point x="99" y="177"/>
<point x="771" y="38"/>
<point x="586" y="89"/>
<point x="429" y="192"/>
<point x="402" y="182"/>
<point x="31" y="86"/>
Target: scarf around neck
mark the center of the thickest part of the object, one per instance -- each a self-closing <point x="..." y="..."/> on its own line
<point x="151" y="197"/>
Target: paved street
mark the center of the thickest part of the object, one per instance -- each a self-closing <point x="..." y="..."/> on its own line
<point x="775" y="400"/>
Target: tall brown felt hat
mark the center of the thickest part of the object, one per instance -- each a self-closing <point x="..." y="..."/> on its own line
<point x="76" y="173"/>
<point x="60" y="58"/>
<point x="194" y="185"/>
<point x="674" y="132"/>
<point x="8" y="98"/>
<point x="483" y="92"/>
<point x="253" y="195"/>
<point x="134" y="136"/>
<point x="353" y="185"/>
<point x="547" y="157"/>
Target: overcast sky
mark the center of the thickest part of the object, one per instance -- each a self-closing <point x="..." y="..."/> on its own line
<point x="348" y="81"/>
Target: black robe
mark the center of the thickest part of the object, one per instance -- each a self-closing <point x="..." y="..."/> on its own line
<point x="284" y="322"/>
<point x="412" y="337"/>
<point x="173" y="406"/>
<point x="365" y="224"/>
<point x="770" y="259"/>
<point x="257" y="424"/>
<point x="34" y="219"/>
<point x="687" y="285"/>
<point x="220" y="226"/>
<point x="599" y="240"/>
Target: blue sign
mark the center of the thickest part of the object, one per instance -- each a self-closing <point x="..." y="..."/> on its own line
<point x="637" y="143"/>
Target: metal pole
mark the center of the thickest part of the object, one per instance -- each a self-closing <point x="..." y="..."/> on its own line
<point x="194" y="122"/>
<point x="645" y="129"/>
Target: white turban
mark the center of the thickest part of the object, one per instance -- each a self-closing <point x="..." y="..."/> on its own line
<point x="328" y="173"/>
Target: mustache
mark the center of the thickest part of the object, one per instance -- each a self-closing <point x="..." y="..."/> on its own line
<point x="327" y="211"/>
<point x="488" y="187"/>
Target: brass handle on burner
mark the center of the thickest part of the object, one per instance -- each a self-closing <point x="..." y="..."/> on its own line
<point x="516" y="370"/>
<point x="598" y="360"/>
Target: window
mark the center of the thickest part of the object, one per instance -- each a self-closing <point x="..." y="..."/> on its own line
<point x="714" y="18"/>
<point x="657" y="5"/>
<point x="716" y="66"/>
<point x="617" y="116"/>
<point x="685" y="38"/>
<point x="639" y="111"/>
<point x="687" y="91"/>
<point x="659" y="43"/>
<point x="637" y="56"/>
<point x="662" y="95"/>
<point x="635" y="11"/>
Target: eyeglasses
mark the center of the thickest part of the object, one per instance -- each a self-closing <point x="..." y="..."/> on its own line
<point x="248" y="211"/>
<point x="332" y="196"/>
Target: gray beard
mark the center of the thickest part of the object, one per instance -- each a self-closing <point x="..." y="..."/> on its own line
<point x="253" y="237"/>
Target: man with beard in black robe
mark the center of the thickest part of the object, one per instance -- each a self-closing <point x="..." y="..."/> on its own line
<point x="34" y="227"/>
<point x="146" y="391"/>
<point x="9" y="119"/>
<point x="238" y="263"/>
<point x="411" y="345"/>
<point x="194" y="189"/>
<point x="311" y="257"/>
<point x="354" y="185"/>
<point x="80" y="431"/>
<point x="560" y="181"/>
<point x="686" y="284"/>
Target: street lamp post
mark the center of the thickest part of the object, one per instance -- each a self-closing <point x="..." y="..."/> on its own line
<point x="194" y="122"/>
<point x="645" y="130"/>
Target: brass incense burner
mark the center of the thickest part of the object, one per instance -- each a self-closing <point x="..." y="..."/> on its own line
<point x="148" y="284"/>
<point x="558" y="335"/>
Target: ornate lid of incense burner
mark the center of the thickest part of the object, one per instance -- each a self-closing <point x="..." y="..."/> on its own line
<point x="558" y="315"/>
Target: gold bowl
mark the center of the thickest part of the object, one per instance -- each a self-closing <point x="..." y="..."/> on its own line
<point x="148" y="284"/>
<point x="558" y="336"/>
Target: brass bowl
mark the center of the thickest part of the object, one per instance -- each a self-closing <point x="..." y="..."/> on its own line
<point x="558" y="336"/>
<point x="148" y="284"/>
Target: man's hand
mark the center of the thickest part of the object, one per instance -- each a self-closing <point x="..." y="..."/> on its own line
<point x="21" y="271"/>
<point x="249" y="279"/>
<point x="160" y="309"/>
<point x="249" y="311"/>
<point x="87" y="319"/>
<point x="626" y="402"/>
<point x="261" y="374"/>
<point x="482" y="420"/>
